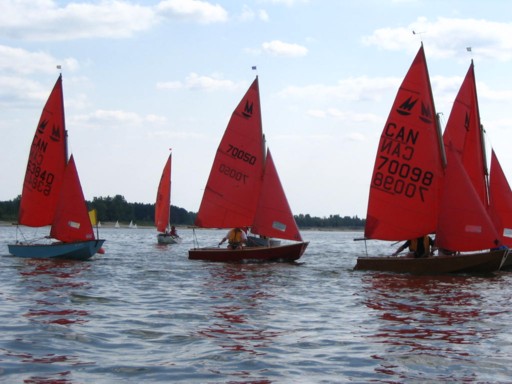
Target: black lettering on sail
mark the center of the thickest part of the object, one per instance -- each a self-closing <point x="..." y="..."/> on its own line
<point x="247" y="112"/>
<point x="406" y="107"/>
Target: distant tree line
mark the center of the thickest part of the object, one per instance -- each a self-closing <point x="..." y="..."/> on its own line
<point x="112" y="209"/>
<point x="333" y="221"/>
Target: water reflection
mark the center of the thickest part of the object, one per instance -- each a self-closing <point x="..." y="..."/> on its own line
<point x="424" y="319"/>
<point x="43" y="296"/>
<point x="235" y="324"/>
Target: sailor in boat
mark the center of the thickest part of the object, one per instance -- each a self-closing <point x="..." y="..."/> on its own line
<point x="236" y="238"/>
<point x="173" y="232"/>
<point x="419" y="247"/>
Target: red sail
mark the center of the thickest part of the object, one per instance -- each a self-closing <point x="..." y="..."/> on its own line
<point x="463" y="131"/>
<point x="274" y="217"/>
<point x="500" y="201"/>
<point x="71" y="222"/>
<point x="464" y="223"/>
<point x="404" y="191"/>
<point x="234" y="184"/>
<point x="163" y="198"/>
<point x="46" y="164"/>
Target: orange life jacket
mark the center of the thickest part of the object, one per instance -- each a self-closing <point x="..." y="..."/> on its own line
<point x="413" y="246"/>
<point x="235" y="236"/>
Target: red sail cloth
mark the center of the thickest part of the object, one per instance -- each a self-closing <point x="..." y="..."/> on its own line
<point x="464" y="133"/>
<point x="163" y="198"/>
<point x="274" y="217"/>
<point x="404" y="190"/>
<point x="46" y="164"/>
<point x="231" y="193"/>
<point x="72" y="221"/>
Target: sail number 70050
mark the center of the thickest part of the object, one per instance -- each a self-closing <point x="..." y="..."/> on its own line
<point x="240" y="154"/>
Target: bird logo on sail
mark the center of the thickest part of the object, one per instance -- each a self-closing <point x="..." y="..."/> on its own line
<point x="42" y="126"/>
<point x="406" y="107"/>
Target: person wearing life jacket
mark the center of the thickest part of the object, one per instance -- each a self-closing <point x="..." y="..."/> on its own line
<point x="419" y="247"/>
<point x="236" y="238"/>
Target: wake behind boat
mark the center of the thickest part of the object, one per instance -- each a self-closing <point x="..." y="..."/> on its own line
<point x="244" y="191"/>
<point x="52" y="193"/>
<point x="418" y="188"/>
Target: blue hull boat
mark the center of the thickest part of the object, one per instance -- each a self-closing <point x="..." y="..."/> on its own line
<point x="81" y="250"/>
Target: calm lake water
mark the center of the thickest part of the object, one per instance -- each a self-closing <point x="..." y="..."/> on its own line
<point x="145" y="313"/>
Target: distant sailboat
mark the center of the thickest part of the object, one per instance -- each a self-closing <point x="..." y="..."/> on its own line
<point x="52" y="193"/>
<point x="163" y="207"/>
<point x="243" y="190"/>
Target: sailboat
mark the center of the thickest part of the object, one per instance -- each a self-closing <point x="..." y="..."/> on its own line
<point x="244" y="191"/>
<point x="163" y="207"/>
<point x="421" y="187"/>
<point x="52" y="193"/>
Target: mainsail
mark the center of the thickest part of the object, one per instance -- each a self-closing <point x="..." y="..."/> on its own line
<point x="234" y="184"/>
<point x="465" y="134"/>
<point x="404" y="191"/>
<point x="46" y="164"/>
<point x="163" y="198"/>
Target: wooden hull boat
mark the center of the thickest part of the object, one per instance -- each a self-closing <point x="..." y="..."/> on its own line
<point x="80" y="250"/>
<point x="282" y="253"/>
<point x="483" y="262"/>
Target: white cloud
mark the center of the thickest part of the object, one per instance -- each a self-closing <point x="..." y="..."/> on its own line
<point x="448" y="38"/>
<point x="117" y="118"/>
<point x="198" y="82"/>
<point x="279" y="48"/>
<point x="195" y="10"/>
<point x="351" y="89"/>
<point x="24" y="62"/>
<point x="45" y="20"/>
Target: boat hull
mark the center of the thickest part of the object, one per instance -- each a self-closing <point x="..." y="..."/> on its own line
<point x="81" y="250"/>
<point x="167" y="239"/>
<point x="483" y="262"/>
<point x="282" y="253"/>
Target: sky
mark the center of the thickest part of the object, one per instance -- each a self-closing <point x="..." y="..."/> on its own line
<point x="141" y="77"/>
